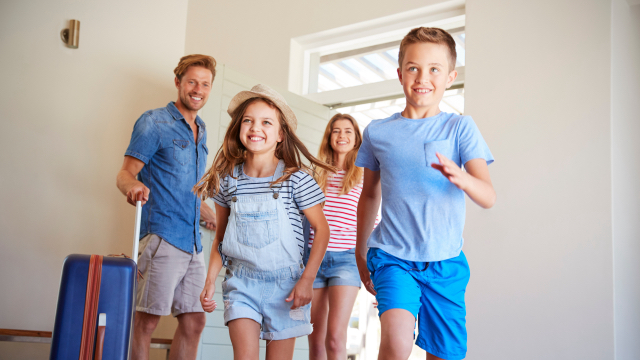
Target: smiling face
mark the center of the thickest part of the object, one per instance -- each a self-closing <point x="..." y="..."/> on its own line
<point x="343" y="136"/>
<point x="425" y="76"/>
<point x="260" y="130"/>
<point x="194" y="87"/>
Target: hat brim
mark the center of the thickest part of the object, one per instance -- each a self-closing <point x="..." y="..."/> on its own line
<point x="241" y="97"/>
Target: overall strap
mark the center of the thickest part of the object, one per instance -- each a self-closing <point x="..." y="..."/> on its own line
<point x="233" y="181"/>
<point x="306" y="234"/>
<point x="276" y="175"/>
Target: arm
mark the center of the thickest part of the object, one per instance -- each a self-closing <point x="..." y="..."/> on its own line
<point x="367" y="211"/>
<point x="303" y="291"/>
<point x="215" y="261"/>
<point x="128" y="184"/>
<point x="475" y="182"/>
<point x="208" y="216"/>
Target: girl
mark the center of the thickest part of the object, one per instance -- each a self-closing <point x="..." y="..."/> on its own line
<point x="260" y="185"/>
<point x="337" y="283"/>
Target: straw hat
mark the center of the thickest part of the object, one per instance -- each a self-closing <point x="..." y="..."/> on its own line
<point x="263" y="91"/>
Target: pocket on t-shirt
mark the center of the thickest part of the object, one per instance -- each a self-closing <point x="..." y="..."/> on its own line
<point x="439" y="146"/>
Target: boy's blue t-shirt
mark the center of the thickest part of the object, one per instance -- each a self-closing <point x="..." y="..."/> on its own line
<point x="422" y="212"/>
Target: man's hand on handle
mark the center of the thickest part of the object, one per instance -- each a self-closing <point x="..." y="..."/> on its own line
<point x="138" y="192"/>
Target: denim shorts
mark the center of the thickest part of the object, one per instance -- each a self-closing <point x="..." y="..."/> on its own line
<point x="337" y="268"/>
<point x="432" y="291"/>
<point x="260" y="296"/>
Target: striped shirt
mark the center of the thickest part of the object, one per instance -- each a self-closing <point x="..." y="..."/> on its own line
<point x="341" y="212"/>
<point x="299" y="192"/>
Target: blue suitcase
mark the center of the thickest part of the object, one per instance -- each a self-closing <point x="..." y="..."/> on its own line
<point x="117" y="291"/>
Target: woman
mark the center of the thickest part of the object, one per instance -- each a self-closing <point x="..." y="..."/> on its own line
<point x="338" y="281"/>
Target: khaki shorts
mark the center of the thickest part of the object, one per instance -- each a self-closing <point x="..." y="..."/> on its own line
<point x="172" y="279"/>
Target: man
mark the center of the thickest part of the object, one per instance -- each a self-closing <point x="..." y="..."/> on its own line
<point x="168" y="154"/>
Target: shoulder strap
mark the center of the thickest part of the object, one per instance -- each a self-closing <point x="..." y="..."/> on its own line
<point x="306" y="231"/>
<point x="233" y="180"/>
<point x="276" y="175"/>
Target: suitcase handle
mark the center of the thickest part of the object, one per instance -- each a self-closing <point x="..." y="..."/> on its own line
<point x="136" y="233"/>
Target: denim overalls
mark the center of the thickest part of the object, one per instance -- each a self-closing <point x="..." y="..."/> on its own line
<point x="263" y="263"/>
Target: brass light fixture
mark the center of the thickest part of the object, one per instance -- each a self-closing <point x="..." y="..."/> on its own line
<point x="71" y="36"/>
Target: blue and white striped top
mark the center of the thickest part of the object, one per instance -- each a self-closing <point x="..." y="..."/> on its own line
<point x="300" y="187"/>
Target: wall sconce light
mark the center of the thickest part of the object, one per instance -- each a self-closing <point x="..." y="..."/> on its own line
<point x="71" y="36"/>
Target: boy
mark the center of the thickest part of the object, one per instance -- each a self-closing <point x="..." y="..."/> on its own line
<point x="413" y="160"/>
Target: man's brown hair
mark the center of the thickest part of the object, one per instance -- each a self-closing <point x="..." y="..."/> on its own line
<point x="429" y="35"/>
<point x="205" y="61"/>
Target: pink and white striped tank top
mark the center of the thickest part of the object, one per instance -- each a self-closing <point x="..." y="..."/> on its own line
<point x="341" y="213"/>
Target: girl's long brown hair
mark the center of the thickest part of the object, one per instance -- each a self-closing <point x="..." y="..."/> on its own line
<point x="353" y="175"/>
<point x="232" y="152"/>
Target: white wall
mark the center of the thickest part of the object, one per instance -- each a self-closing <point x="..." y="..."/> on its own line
<point x="625" y="113"/>
<point x="538" y="80"/>
<point x="253" y="36"/>
<point x="66" y="119"/>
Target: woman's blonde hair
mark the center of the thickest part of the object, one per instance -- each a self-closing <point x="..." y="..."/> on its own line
<point x="232" y="152"/>
<point x="353" y="175"/>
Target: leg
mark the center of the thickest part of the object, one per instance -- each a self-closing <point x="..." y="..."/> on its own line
<point x="143" y="326"/>
<point x="155" y="291"/>
<point x="442" y="323"/>
<point x="280" y="349"/>
<point x="396" y="341"/>
<point x="245" y="337"/>
<point x="187" y="308"/>
<point x="319" y="311"/>
<point x="398" y="296"/>
<point x="341" y="300"/>
<point x="187" y="336"/>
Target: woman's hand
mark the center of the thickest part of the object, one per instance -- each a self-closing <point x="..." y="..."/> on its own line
<point x="302" y="293"/>
<point x="206" y="297"/>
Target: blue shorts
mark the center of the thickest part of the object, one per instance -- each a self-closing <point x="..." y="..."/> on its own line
<point x="260" y="295"/>
<point x="433" y="292"/>
<point x="337" y="268"/>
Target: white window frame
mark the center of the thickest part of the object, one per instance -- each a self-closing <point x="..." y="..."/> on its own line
<point x="307" y="50"/>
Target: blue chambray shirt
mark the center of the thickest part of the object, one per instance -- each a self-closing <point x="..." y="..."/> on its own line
<point x="163" y="140"/>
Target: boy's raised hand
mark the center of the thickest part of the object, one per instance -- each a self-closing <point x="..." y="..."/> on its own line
<point x="451" y="171"/>
<point x="302" y="293"/>
<point x="206" y="297"/>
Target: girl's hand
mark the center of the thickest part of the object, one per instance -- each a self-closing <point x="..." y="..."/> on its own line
<point x="302" y="293"/>
<point x="206" y="297"/>
<point x="452" y="172"/>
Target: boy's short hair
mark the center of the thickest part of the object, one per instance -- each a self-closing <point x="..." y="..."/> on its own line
<point x="429" y="35"/>
<point x="205" y="61"/>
